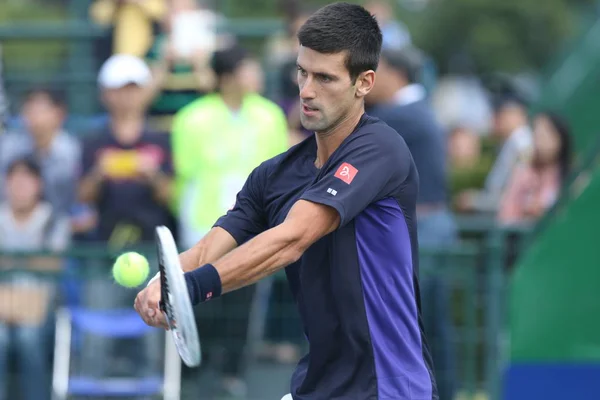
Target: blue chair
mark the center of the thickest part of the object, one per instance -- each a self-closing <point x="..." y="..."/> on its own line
<point x="110" y="324"/>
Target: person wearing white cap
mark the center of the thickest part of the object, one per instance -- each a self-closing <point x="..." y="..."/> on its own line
<point x="126" y="176"/>
<point x="123" y="69"/>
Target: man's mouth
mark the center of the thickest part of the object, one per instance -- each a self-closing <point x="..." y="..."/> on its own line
<point x="308" y="110"/>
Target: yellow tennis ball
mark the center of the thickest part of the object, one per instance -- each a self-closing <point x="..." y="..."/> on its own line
<point x="131" y="269"/>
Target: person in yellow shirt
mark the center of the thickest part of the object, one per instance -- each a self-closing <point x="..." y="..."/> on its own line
<point x="132" y="22"/>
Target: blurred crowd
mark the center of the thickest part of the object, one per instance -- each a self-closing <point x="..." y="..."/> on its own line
<point x="185" y="121"/>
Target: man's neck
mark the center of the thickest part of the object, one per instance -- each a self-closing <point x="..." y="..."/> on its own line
<point x="329" y="141"/>
<point x="22" y="215"/>
<point x="127" y="128"/>
<point x="43" y="140"/>
<point x="233" y="98"/>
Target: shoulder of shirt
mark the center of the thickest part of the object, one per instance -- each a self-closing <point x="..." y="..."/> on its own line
<point x="270" y="165"/>
<point x="264" y="105"/>
<point x="205" y="103"/>
<point x="97" y="137"/>
<point x="68" y="141"/>
<point x="380" y="132"/>
<point x="12" y="138"/>
<point x="377" y="136"/>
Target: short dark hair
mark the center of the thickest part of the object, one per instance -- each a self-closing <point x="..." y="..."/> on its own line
<point x="346" y="27"/>
<point x="500" y="101"/>
<point x="28" y="162"/>
<point x="408" y="61"/>
<point x="226" y="61"/>
<point x="56" y="97"/>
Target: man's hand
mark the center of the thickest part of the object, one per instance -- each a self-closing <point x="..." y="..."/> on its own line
<point x="146" y="304"/>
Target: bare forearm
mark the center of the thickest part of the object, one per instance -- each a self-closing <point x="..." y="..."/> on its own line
<point x="257" y="259"/>
<point x="210" y="248"/>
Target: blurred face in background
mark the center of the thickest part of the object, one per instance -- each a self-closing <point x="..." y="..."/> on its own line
<point x="464" y="148"/>
<point x="42" y="115"/>
<point x="127" y="99"/>
<point x="249" y="75"/>
<point x="387" y="83"/>
<point x="508" y="118"/>
<point x="546" y="140"/>
<point x="23" y="188"/>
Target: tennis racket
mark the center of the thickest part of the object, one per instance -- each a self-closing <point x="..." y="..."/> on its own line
<point x="175" y="301"/>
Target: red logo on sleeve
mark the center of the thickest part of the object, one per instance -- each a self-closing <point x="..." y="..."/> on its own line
<point x="346" y="172"/>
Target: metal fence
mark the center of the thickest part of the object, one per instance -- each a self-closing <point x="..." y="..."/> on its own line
<point x="463" y="286"/>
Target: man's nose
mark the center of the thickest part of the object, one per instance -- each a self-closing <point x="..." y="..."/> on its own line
<point x="307" y="91"/>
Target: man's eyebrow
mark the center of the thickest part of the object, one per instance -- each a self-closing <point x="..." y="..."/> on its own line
<point x="325" y="74"/>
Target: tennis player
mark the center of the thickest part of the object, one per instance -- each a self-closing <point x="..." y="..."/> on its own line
<point x="337" y="211"/>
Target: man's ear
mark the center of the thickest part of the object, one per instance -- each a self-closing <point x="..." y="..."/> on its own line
<point x="364" y="83"/>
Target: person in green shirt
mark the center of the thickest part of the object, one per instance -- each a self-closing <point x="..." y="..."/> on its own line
<point x="217" y="140"/>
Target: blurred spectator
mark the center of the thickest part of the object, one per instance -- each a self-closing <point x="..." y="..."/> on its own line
<point x="3" y="98"/>
<point x="57" y="152"/>
<point x="27" y="224"/>
<point x="395" y="33"/>
<point x="282" y="47"/>
<point x="127" y="177"/>
<point x="217" y="141"/>
<point x="462" y="100"/>
<point x="180" y="59"/>
<point x="132" y="23"/>
<point x="470" y="160"/>
<point x="126" y="168"/>
<point x="511" y="125"/>
<point x="535" y="186"/>
<point x="399" y="100"/>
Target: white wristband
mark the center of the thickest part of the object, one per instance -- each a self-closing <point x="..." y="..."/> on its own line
<point x="155" y="277"/>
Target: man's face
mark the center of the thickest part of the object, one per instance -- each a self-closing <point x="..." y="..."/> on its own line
<point x="327" y="93"/>
<point x="250" y="76"/>
<point x="41" y="115"/>
<point x="508" y="118"/>
<point x="126" y="98"/>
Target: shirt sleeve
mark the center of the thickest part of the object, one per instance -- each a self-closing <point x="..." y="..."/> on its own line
<point x="363" y="171"/>
<point x="247" y="218"/>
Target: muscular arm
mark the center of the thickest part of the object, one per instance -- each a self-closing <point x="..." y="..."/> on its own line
<point x="210" y="248"/>
<point x="278" y="247"/>
<point x="214" y="245"/>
